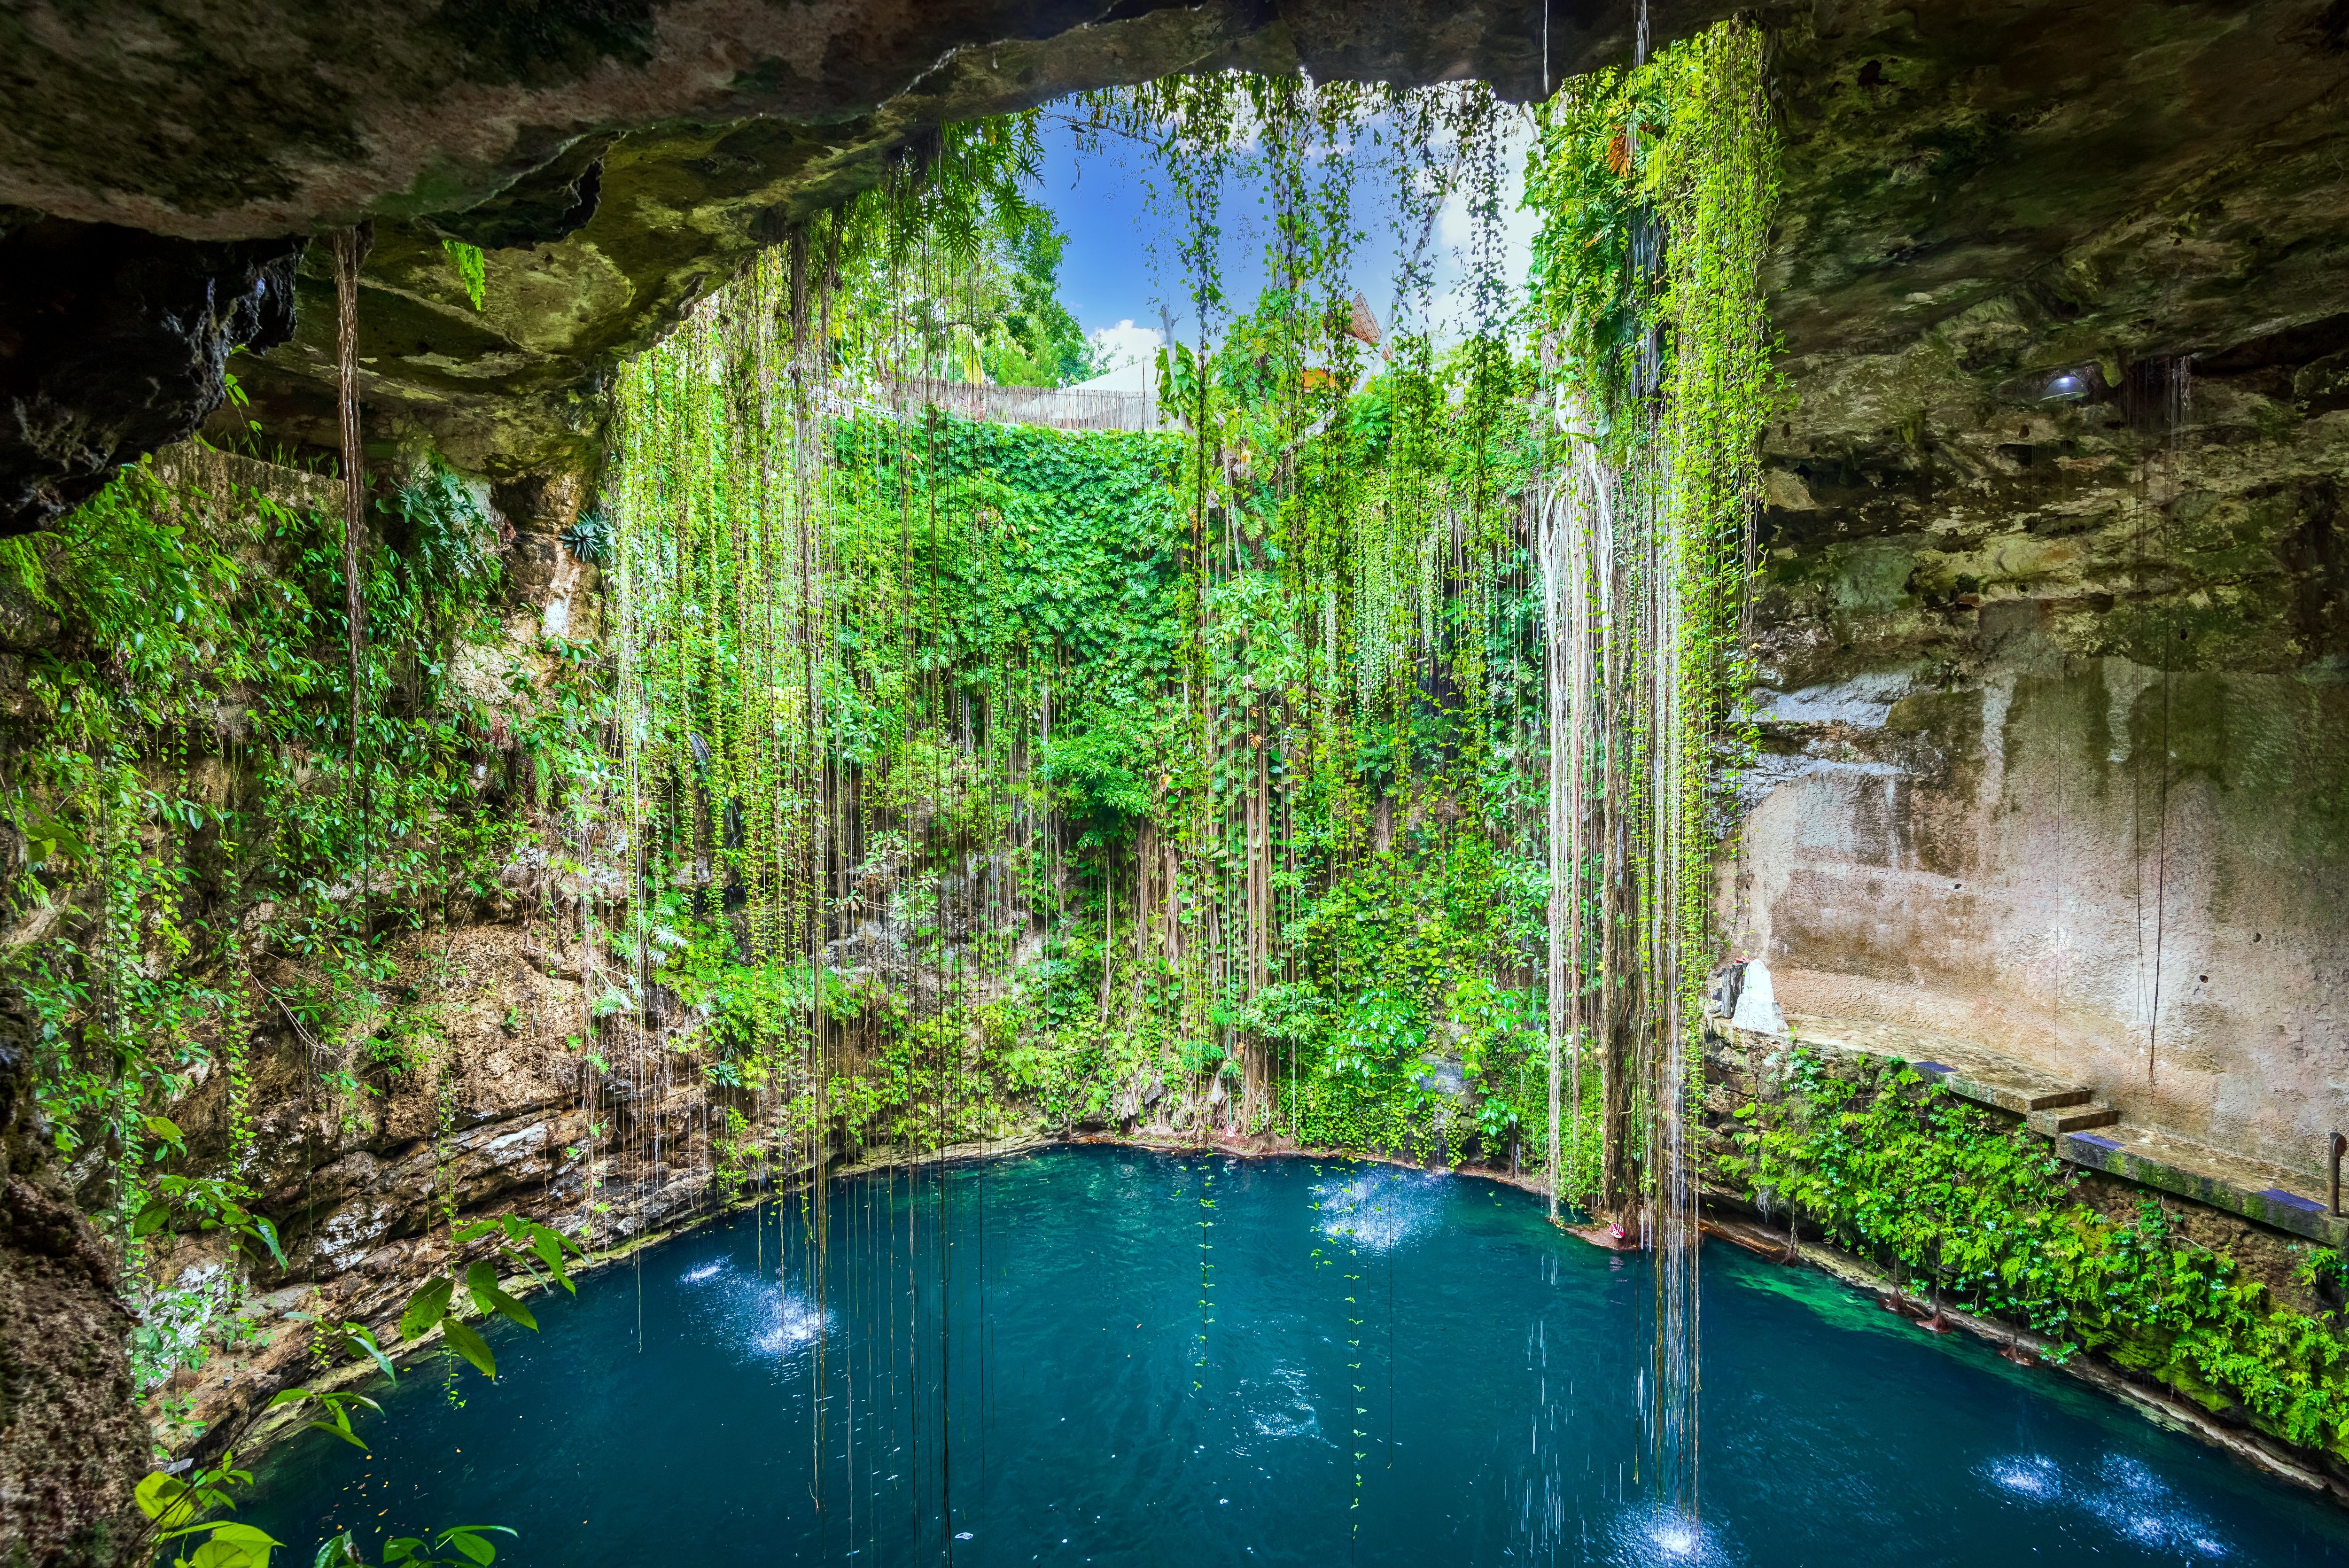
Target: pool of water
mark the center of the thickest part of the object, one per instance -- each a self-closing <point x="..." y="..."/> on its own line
<point x="1098" y="1355"/>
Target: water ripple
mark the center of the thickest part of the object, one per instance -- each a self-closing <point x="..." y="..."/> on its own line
<point x="755" y="1315"/>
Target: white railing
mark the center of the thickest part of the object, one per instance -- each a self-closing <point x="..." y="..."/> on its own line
<point x="1057" y="407"/>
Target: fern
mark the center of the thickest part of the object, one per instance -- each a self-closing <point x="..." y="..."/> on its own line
<point x="471" y="272"/>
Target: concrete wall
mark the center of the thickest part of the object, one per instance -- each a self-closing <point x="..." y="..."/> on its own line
<point x="2027" y="863"/>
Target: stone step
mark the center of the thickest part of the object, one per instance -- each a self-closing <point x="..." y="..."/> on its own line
<point x="1967" y="1071"/>
<point x="2273" y="1195"/>
<point x="2057" y="1120"/>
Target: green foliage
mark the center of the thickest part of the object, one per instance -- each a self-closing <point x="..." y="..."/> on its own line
<point x="1103" y="773"/>
<point x="178" y="1508"/>
<point x="589" y="538"/>
<point x="210" y="859"/>
<point x="175" y="1507"/>
<point x="1655" y="186"/>
<point x="1900" y="1170"/>
<point x="179" y="1326"/>
<point x="950" y="270"/>
<point x="442" y="531"/>
<point x="337" y="1404"/>
<point x="1502" y="1040"/>
<point x="208" y="1201"/>
<point x="1100" y="727"/>
<point x="1338" y="1115"/>
<point x="180" y="612"/>
<point x="2325" y="1270"/>
<point x="1037" y="342"/>
<point x="457" y="1546"/>
<point x="473" y="273"/>
<point x="536" y="1250"/>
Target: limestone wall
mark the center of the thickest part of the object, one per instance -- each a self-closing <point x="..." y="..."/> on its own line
<point x="2056" y="754"/>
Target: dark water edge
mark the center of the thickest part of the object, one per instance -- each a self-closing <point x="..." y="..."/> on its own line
<point x="1107" y="1354"/>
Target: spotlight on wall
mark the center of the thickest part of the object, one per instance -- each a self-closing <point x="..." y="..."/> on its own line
<point x="2067" y="386"/>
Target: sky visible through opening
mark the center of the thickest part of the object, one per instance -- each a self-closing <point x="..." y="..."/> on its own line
<point x="1121" y="275"/>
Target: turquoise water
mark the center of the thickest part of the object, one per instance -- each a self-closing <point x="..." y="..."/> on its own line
<point x="1110" y="1355"/>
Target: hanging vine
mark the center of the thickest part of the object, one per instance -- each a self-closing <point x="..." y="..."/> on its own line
<point x="1656" y="186"/>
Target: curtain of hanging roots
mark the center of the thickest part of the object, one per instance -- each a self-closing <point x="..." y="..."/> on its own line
<point x="1387" y="649"/>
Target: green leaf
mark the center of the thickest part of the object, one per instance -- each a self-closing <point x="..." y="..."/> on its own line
<point x="152" y="1218"/>
<point x="481" y="1281"/>
<point x="358" y="1335"/>
<point x="341" y="1551"/>
<point x="471" y="270"/>
<point x="540" y="1234"/>
<point x="509" y="1307"/>
<point x="426" y="1309"/>
<point x="471" y="1545"/>
<point x="470" y="1346"/>
<point x="549" y="1246"/>
<point x="165" y="1500"/>
<point x="234" y="1546"/>
<point x="467" y="1538"/>
<point x="167" y="1130"/>
<point x="340" y="1427"/>
<point x="268" y="1233"/>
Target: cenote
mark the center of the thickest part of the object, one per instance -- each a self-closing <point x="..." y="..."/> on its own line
<point x="1277" y="781"/>
<point x="1131" y="1356"/>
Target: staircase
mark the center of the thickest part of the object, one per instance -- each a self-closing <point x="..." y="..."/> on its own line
<point x="2071" y="1114"/>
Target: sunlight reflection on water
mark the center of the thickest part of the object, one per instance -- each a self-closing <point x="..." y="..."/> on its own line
<point x="1381" y="1208"/>
<point x="755" y="1314"/>
<point x="2124" y="1495"/>
<point x="1663" y="1536"/>
<point x="1287" y="1409"/>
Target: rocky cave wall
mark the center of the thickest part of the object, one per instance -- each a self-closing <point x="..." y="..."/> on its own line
<point x="616" y="162"/>
<point x="2050" y="624"/>
<point x="468" y="1088"/>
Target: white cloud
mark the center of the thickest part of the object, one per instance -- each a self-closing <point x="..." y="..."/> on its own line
<point x="1126" y="344"/>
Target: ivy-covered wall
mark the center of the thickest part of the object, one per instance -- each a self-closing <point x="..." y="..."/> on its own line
<point x="278" y="1006"/>
<point x="1961" y="1205"/>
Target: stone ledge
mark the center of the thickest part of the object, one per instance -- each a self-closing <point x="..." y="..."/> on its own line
<point x="2248" y="1188"/>
<point x="1967" y="1070"/>
<point x="2254" y="1189"/>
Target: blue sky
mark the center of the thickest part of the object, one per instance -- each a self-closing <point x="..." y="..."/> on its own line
<point x="1102" y="200"/>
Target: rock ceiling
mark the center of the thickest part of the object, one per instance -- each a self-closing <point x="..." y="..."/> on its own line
<point x="1977" y="194"/>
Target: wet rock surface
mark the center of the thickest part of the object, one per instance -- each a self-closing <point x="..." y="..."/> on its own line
<point x="2049" y="623"/>
<point x="114" y="343"/>
<point x="73" y="1441"/>
<point x="617" y="163"/>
